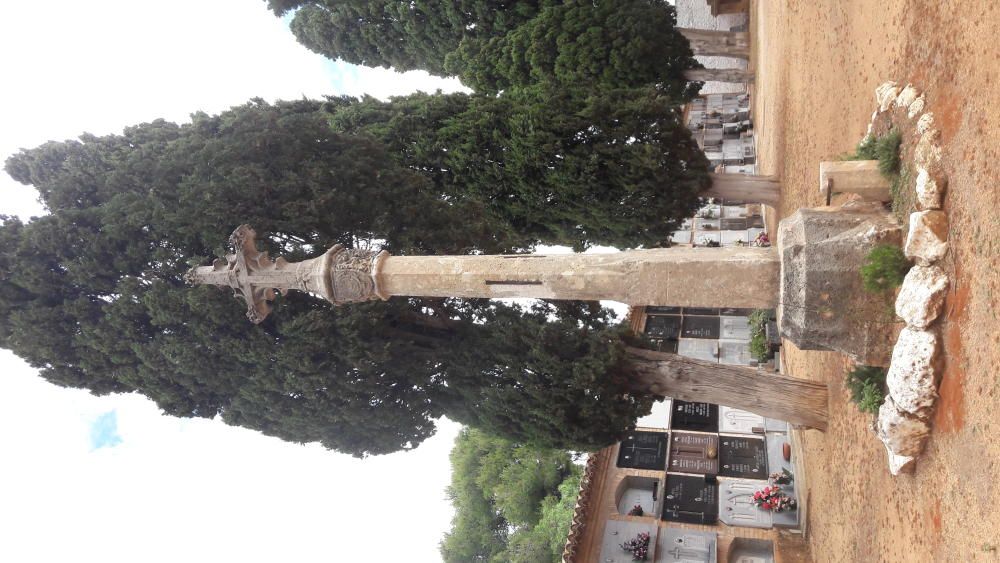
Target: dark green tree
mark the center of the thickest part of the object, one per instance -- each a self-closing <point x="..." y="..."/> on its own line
<point x="92" y="294"/>
<point x="581" y="45"/>
<point x="509" y="500"/>
<point x="405" y="35"/>
<point x="616" y="168"/>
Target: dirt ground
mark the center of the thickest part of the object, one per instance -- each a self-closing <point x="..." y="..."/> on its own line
<point x="818" y="63"/>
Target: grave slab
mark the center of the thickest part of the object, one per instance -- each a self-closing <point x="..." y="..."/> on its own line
<point x="674" y="545"/>
<point x="643" y="450"/>
<point x="736" y="506"/>
<point x="694" y="453"/>
<point x="740" y="422"/>
<point x="691" y="499"/>
<point x="743" y="457"/>
<point x="617" y="532"/>
<point x="775" y="463"/>
<point x="700" y="417"/>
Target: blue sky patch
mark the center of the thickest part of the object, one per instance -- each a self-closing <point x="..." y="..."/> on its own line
<point x="104" y="431"/>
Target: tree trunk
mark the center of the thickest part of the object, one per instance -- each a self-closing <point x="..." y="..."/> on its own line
<point x="714" y="43"/>
<point x="718" y="75"/>
<point x="797" y="401"/>
<point x="752" y="189"/>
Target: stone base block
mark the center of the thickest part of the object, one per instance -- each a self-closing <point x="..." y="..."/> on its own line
<point x="823" y="304"/>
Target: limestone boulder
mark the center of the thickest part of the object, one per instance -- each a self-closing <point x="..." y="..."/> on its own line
<point x="922" y="295"/>
<point x="885" y="95"/>
<point x="916" y="106"/>
<point x="927" y="239"/>
<point x="899" y="464"/>
<point x="824" y="306"/>
<point x="902" y="433"/>
<point x="906" y="96"/>
<point x="925" y="123"/>
<point x="912" y="376"/>
<point x="929" y="190"/>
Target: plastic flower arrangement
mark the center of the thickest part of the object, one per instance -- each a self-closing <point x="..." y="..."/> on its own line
<point x="771" y="498"/>
<point x="636" y="511"/>
<point x="638" y="547"/>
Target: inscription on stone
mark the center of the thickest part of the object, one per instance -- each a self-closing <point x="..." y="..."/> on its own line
<point x="744" y="457"/>
<point x="690" y="499"/>
<point x="643" y="450"/>
<point x="701" y="327"/>
<point x="663" y="326"/>
<point x="694" y="453"/>
<point x="700" y="417"/>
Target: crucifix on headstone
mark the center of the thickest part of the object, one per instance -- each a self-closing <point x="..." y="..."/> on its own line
<point x="691" y="277"/>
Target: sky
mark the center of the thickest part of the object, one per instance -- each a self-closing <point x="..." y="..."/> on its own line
<point x="110" y="479"/>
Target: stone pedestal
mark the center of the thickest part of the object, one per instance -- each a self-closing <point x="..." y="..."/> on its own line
<point x="856" y="177"/>
<point x="823" y="303"/>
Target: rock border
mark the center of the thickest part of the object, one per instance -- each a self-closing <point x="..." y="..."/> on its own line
<point x="903" y="423"/>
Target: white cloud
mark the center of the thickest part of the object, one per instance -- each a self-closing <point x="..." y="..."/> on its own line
<point x="176" y="489"/>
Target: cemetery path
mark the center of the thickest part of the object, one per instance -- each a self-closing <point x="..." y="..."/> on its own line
<point x="818" y="64"/>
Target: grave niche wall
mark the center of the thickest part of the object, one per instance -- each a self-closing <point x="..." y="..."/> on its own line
<point x="719" y="335"/>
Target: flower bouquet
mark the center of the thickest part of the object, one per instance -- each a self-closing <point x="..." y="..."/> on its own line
<point x="771" y="498"/>
<point x="638" y="547"/>
<point x="783" y="478"/>
<point x="636" y="511"/>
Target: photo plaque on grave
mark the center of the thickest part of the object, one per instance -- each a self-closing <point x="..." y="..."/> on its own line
<point x="643" y="450"/>
<point x="690" y="499"/>
<point x="692" y="452"/>
<point x="700" y="417"/>
<point x="744" y="457"/>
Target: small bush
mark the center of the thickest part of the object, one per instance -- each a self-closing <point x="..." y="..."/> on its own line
<point x="884" y="149"/>
<point x="867" y="387"/>
<point x="884" y="268"/>
<point x="759" y="348"/>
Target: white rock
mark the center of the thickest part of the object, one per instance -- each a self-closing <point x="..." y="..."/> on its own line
<point x="927" y="240"/>
<point x="899" y="464"/>
<point x="888" y="98"/>
<point x="903" y="434"/>
<point x="927" y="153"/>
<point x="925" y="123"/>
<point x="916" y="106"/>
<point x="922" y="296"/>
<point x="882" y="92"/>
<point x="928" y="189"/>
<point x="906" y="96"/>
<point x="912" y="379"/>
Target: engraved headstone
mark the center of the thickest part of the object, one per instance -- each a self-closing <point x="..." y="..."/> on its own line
<point x="663" y="326"/>
<point x="617" y="532"/>
<point x="736" y="507"/>
<point x="692" y="452"/>
<point x="675" y="545"/>
<point x="740" y="422"/>
<point x="701" y="417"/>
<point x="743" y="457"/>
<point x="643" y="450"/>
<point x="691" y="499"/>
<point x="700" y="327"/>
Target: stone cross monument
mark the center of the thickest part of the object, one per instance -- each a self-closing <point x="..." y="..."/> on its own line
<point x="689" y="277"/>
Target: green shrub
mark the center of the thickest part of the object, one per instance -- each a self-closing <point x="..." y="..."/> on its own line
<point x="884" y="149"/>
<point x="759" y="348"/>
<point x="884" y="268"/>
<point x="867" y="387"/>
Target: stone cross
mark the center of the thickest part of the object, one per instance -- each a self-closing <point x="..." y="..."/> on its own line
<point x="687" y="277"/>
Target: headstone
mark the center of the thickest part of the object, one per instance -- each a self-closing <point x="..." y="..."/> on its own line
<point x="743" y="457"/>
<point x="617" y="532"/>
<point x="643" y="450"/>
<point x="700" y="417"/>
<point x="692" y="452"/>
<point x="775" y="464"/>
<point x="735" y="352"/>
<point x="701" y="327"/>
<point x="699" y="349"/>
<point x="691" y="499"/>
<point x="736" y="507"/>
<point x="740" y="422"/>
<point x="734" y="328"/>
<point x="675" y="545"/>
<point x="663" y="326"/>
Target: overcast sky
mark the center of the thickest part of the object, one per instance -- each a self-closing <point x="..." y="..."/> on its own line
<point x="109" y="479"/>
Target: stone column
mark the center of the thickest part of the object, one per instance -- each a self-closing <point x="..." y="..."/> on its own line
<point x="854" y="176"/>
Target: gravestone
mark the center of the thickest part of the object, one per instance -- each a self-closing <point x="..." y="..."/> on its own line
<point x="643" y="450"/>
<point x="740" y="422"/>
<point x="700" y="417"/>
<point x="743" y="457"/>
<point x="734" y="328"/>
<point x="701" y="327"/>
<point x="691" y="499"/>
<point x="694" y="453"/>
<point x="675" y="545"/>
<point x="663" y="326"/>
<point x="617" y="532"/>
<point x="736" y="507"/>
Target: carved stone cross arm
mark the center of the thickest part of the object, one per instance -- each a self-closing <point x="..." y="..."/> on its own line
<point x="340" y="275"/>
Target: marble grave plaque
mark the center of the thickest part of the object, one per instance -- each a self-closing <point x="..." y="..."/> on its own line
<point x="691" y="499"/>
<point x="736" y="507"/>
<point x="743" y="457"/>
<point x="740" y="422"/>
<point x="643" y="450"/>
<point x="692" y="452"/>
<point x="700" y="417"/>
<point x="674" y="545"/>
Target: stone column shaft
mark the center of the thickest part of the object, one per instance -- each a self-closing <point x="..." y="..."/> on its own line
<point x="688" y="277"/>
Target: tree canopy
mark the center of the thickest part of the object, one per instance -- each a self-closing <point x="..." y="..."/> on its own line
<point x="513" y="502"/>
<point x="92" y="294"/>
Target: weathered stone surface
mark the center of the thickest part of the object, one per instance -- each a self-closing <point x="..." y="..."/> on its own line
<point x="906" y="96"/>
<point x="927" y="239"/>
<point x="902" y="433"/>
<point x="912" y="377"/>
<point x="929" y="190"/>
<point x="899" y="464"/>
<point x="860" y="177"/>
<point x="916" y="106"/>
<point x="927" y="153"/>
<point x="824" y="306"/>
<point x="922" y="296"/>
<point x="925" y="123"/>
<point x="885" y="95"/>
